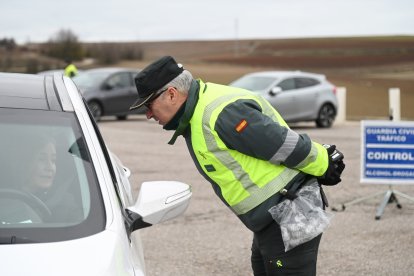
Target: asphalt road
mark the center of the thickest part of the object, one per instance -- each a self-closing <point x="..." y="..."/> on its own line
<point x="209" y="240"/>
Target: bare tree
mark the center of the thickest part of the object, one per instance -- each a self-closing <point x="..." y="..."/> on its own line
<point x="8" y="43"/>
<point x="65" y="45"/>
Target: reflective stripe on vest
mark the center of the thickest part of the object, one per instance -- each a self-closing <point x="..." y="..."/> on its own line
<point x="244" y="181"/>
<point x="312" y="163"/>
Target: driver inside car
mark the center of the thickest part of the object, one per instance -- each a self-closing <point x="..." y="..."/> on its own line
<point x="34" y="171"/>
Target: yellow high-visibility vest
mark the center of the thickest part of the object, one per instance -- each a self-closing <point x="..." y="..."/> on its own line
<point x="71" y="70"/>
<point x="244" y="181"/>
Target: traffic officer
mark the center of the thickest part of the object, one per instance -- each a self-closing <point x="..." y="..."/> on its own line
<point x="244" y="148"/>
<point x="70" y="69"/>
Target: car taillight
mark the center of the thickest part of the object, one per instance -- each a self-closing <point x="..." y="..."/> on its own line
<point x="334" y="90"/>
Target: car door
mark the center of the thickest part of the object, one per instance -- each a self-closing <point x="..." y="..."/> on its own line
<point x="306" y="95"/>
<point x="120" y="93"/>
<point x="123" y="186"/>
<point x="120" y="176"/>
<point x="284" y="101"/>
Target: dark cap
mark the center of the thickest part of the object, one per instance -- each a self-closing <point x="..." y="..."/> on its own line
<point x="154" y="77"/>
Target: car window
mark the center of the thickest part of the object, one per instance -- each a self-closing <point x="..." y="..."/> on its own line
<point x="90" y="79"/>
<point x="305" y="82"/>
<point x="254" y="83"/>
<point x="119" y="80"/>
<point x="287" y="84"/>
<point x="48" y="187"/>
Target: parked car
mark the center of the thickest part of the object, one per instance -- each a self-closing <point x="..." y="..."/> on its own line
<point x="66" y="205"/>
<point x="109" y="91"/>
<point x="297" y="96"/>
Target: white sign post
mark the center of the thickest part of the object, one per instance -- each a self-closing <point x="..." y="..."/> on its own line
<point x="394" y="103"/>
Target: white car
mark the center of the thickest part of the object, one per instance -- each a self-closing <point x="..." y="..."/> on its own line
<point x="297" y="96"/>
<point x="65" y="200"/>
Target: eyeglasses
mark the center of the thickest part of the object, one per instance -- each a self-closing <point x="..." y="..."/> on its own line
<point x="148" y="104"/>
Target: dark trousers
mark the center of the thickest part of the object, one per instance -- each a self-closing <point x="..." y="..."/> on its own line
<point x="270" y="259"/>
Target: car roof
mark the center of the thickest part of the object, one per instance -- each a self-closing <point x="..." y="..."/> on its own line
<point x="51" y="72"/>
<point x="32" y="91"/>
<point x="111" y="70"/>
<point x="283" y="74"/>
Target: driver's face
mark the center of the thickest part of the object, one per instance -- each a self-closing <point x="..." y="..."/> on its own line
<point x="43" y="167"/>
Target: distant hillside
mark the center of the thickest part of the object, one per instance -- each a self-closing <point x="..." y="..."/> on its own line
<point x="302" y="54"/>
<point x="290" y="53"/>
<point x="366" y="66"/>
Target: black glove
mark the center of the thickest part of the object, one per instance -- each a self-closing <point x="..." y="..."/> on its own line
<point x="336" y="166"/>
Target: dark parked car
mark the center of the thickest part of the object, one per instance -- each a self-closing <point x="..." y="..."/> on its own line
<point x="297" y="96"/>
<point x="109" y="91"/>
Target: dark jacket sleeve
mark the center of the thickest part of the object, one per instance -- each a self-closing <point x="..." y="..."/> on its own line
<point x="243" y="127"/>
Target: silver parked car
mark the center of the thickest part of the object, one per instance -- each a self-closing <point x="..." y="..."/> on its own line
<point x="66" y="203"/>
<point x="297" y="96"/>
<point x="109" y="91"/>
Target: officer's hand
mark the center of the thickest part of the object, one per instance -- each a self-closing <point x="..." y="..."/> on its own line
<point x="335" y="168"/>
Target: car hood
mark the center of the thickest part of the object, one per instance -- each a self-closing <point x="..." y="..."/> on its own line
<point x="101" y="254"/>
<point x="261" y="92"/>
<point x="264" y="93"/>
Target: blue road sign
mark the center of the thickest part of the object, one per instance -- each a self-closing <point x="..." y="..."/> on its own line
<point x="387" y="152"/>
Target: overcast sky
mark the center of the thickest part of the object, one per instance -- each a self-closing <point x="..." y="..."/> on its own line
<point x="160" y="20"/>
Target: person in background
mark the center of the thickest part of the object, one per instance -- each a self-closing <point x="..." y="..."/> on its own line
<point x="70" y="69"/>
<point x="253" y="160"/>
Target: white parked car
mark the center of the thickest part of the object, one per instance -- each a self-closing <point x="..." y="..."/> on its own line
<point x="66" y="206"/>
<point x="297" y="96"/>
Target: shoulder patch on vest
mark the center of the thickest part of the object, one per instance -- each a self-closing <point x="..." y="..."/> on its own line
<point x="210" y="168"/>
<point x="241" y="125"/>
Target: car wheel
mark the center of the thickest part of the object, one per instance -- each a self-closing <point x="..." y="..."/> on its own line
<point x="122" y="118"/>
<point x="326" y="116"/>
<point x="96" y="110"/>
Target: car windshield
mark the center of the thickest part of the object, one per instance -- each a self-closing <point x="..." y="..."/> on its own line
<point x="48" y="187"/>
<point x="90" y="79"/>
<point x="254" y="83"/>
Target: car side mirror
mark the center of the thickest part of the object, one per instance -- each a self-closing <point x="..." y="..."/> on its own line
<point x="275" y="90"/>
<point x="158" y="201"/>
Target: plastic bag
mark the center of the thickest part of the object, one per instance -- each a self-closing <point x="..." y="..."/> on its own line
<point x="303" y="218"/>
